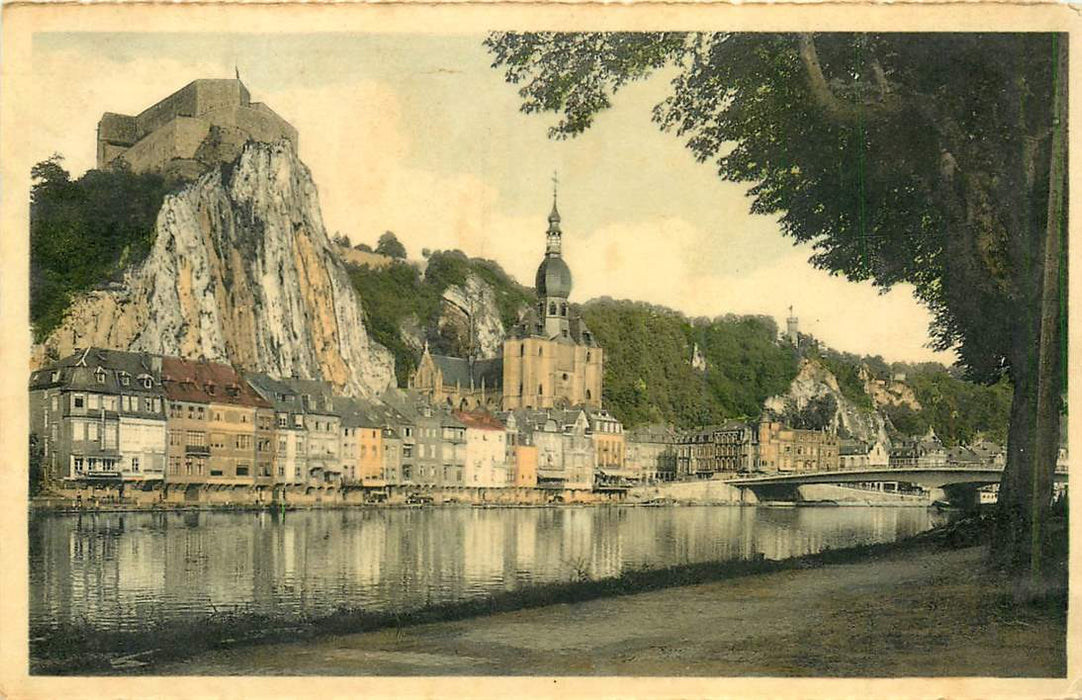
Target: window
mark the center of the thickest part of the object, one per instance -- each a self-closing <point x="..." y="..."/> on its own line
<point x="56" y="403"/>
<point x="135" y="464"/>
<point x="563" y="310"/>
<point x="125" y="379"/>
<point x="78" y="401"/>
<point x="197" y="438"/>
<point x="78" y="464"/>
<point x="282" y="420"/>
<point x="588" y="395"/>
<point x="552" y="308"/>
<point x="92" y="432"/>
<point x="174" y="438"/>
<point x="242" y="470"/>
<point x="99" y="374"/>
<point x="93" y="401"/>
<point x="540" y="352"/>
<point x="540" y="390"/>
<point x="55" y="376"/>
<point x="215" y="472"/>
<point x="522" y="350"/>
<point x="147" y="382"/>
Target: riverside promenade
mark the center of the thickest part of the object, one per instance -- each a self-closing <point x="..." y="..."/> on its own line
<point x="925" y="611"/>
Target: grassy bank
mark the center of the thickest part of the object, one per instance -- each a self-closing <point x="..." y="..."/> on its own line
<point x="81" y="649"/>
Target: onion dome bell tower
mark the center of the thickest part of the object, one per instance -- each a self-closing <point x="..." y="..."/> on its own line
<point x="553" y="280"/>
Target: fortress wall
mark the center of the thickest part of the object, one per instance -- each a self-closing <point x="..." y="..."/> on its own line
<point x="259" y="125"/>
<point x="180" y="103"/>
<point x="178" y="139"/>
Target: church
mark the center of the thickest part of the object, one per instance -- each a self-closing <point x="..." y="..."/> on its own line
<point x="550" y="358"/>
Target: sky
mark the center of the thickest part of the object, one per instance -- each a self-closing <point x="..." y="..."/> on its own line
<point x="418" y="135"/>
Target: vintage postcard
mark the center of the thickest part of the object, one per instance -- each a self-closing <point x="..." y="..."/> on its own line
<point x="645" y="350"/>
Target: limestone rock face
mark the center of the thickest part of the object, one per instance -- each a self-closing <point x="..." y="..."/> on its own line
<point x="814" y="381"/>
<point x="473" y="304"/>
<point x="242" y="271"/>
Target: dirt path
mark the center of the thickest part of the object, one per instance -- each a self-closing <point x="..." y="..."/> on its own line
<point x="908" y="614"/>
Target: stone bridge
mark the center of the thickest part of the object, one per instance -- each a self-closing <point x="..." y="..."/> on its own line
<point x="960" y="484"/>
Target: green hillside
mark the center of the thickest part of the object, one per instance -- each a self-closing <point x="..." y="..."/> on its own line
<point x="648" y="372"/>
<point x="85" y="232"/>
<point x="391" y="295"/>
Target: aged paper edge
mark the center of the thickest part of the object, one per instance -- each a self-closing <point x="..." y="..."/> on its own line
<point x="18" y="102"/>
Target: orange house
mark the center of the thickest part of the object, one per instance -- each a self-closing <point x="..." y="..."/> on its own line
<point x="526" y="465"/>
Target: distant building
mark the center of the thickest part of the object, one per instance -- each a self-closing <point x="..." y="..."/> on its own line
<point x="564" y="444"/>
<point x="651" y="452"/>
<point x="204" y="123"/>
<point x="290" y="436"/>
<point x="923" y="452"/>
<point x="792" y="328"/>
<point x="857" y="454"/>
<point x="322" y="426"/>
<point x="213" y="416"/>
<point x="459" y="383"/>
<point x="486" y="451"/>
<point x="610" y="450"/>
<point x="100" y="416"/>
<point x="785" y="449"/>
<point x="720" y="449"/>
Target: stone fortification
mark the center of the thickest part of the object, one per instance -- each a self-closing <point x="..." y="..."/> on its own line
<point x="204" y="123"/>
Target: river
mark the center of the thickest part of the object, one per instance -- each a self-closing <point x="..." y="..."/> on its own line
<point x="126" y="571"/>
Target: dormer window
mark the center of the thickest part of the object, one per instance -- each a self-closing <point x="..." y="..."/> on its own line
<point x="55" y="376"/>
<point x="125" y="378"/>
<point x="209" y="388"/>
<point x="99" y="374"/>
<point x="148" y="382"/>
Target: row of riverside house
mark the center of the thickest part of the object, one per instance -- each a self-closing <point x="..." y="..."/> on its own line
<point x="106" y="416"/>
<point x="125" y="418"/>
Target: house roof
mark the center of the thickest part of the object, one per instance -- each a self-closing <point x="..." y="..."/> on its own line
<point x="199" y="381"/>
<point x="461" y="372"/>
<point x="479" y="420"/>
<point x="82" y="369"/>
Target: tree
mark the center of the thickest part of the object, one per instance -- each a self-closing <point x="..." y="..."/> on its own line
<point x="936" y="160"/>
<point x="388" y="245"/>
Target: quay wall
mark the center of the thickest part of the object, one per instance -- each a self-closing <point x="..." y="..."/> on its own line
<point x="194" y="495"/>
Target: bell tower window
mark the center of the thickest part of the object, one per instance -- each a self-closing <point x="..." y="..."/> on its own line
<point x="552" y="308"/>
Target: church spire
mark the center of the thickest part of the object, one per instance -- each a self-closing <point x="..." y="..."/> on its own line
<point x="552" y="246"/>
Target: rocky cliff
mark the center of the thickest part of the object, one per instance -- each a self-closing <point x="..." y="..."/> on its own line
<point x="815" y="382"/>
<point x="241" y="271"/>
<point x="469" y="312"/>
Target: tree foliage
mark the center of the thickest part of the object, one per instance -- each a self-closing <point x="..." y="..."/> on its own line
<point x="648" y="373"/>
<point x="85" y="232"/>
<point x="961" y="412"/>
<point x="389" y="245"/>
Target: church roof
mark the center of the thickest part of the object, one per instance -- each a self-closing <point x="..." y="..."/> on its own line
<point x="459" y="371"/>
<point x="553" y="277"/>
<point x="530" y="325"/>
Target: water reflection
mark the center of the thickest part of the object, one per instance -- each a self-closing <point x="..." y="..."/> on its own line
<point x="125" y="571"/>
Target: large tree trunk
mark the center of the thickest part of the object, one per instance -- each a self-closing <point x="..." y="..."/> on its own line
<point x="1037" y="371"/>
